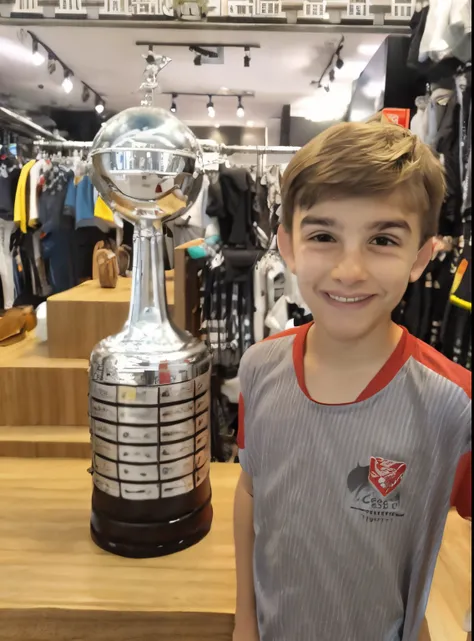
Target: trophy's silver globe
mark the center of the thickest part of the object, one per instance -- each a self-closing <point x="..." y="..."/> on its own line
<point x="146" y="162"/>
<point x="149" y="385"/>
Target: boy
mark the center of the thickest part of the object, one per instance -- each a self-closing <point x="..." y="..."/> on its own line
<point x="350" y="428"/>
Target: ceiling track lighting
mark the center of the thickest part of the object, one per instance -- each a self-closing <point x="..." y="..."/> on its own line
<point x="247" y="57"/>
<point x="240" y="109"/>
<point x="336" y="62"/>
<point x="38" y="57"/>
<point x="211" y="112"/>
<point x="99" y="105"/>
<point x="67" y="83"/>
<point x="51" y="64"/>
<point x="173" y="107"/>
<point x="86" y="94"/>
<point x="150" y="57"/>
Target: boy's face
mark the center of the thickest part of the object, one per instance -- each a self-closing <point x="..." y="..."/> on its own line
<point x="353" y="259"/>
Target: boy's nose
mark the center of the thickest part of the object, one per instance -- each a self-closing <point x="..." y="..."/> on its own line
<point x="350" y="269"/>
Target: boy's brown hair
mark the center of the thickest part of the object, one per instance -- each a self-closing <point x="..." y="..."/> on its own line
<point x="354" y="159"/>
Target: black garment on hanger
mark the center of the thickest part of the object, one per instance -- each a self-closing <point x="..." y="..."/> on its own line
<point x="9" y="174"/>
<point x="432" y="71"/>
<point x="232" y="201"/>
<point x="447" y="143"/>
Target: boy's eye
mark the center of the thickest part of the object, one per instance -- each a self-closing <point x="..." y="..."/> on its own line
<point x="323" y="238"/>
<point x="384" y="241"/>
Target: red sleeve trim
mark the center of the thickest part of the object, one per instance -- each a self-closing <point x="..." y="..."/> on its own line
<point x="241" y="424"/>
<point x="461" y="496"/>
<point x="437" y="362"/>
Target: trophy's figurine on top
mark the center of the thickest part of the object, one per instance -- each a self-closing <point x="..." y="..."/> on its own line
<point x="149" y="396"/>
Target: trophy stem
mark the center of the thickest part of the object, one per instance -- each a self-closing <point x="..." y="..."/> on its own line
<point x="148" y="297"/>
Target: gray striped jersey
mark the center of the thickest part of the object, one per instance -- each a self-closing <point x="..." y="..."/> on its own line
<point x="350" y="501"/>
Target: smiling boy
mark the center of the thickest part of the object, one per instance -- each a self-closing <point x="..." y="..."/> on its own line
<point x="350" y="428"/>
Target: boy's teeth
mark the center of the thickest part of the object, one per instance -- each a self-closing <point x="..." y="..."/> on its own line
<point x="343" y="299"/>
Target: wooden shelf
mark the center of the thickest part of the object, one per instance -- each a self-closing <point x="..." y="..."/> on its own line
<point x="45" y="441"/>
<point x="82" y="316"/>
<point x="38" y="390"/>
<point x="56" y="584"/>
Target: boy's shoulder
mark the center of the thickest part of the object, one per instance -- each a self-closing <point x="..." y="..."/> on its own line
<point x="271" y="350"/>
<point x="433" y="360"/>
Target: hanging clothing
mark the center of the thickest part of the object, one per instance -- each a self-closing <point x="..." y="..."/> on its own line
<point x="419" y="122"/>
<point x="9" y="175"/>
<point x="6" y="263"/>
<point x="431" y="70"/>
<point x="52" y="214"/>
<point x="103" y="211"/>
<point x="447" y="32"/>
<point x="232" y="201"/>
<point x="21" y="198"/>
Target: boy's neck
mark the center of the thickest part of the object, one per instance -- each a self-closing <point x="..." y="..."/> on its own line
<point x="371" y="348"/>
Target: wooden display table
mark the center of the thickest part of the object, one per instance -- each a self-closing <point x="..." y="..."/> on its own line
<point x="38" y="390"/>
<point x="82" y="316"/>
<point x="56" y="585"/>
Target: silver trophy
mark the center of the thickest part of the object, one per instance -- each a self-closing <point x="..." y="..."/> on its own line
<point x="149" y="389"/>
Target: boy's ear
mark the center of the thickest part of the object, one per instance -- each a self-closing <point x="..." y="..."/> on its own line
<point x="285" y="246"/>
<point x="422" y="260"/>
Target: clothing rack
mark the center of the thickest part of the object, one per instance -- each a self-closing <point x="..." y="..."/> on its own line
<point x="24" y="126"/>
<point x="206" y="147"/>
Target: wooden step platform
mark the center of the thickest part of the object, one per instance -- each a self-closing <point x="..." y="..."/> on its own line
<point x="56" y="584"/>
<point x="82" y="316"/>
<point x="36" y="389"/>
<point x="34" y="441"/>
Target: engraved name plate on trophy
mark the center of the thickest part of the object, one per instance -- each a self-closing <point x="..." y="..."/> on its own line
<point x="149" y="390"/>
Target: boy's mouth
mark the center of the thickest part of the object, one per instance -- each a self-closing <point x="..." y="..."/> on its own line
<point x="358" y="299"/>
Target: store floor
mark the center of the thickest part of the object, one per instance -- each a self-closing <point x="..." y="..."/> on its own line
<point x="55" y="584"/>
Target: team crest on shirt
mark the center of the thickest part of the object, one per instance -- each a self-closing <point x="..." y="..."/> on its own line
<point x="375" y="491"/>
<point x="385" y="475"/>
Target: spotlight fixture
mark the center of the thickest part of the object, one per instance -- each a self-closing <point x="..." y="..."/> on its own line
<point x="332" y="75"/>
<point x="173" y="107"/>
<point x="99" y="105"/>
<point x="211" y="112"/>
<point x="247" y="57"/>
<point x="339" y="62"/>
<point x="51" y="64"/>
<point x="150" y="57"/>
<point x="198" y="60"/>
<point x="327" y="88"/>
<point x="38" y="57"/>
<point x="86" y="94"/>
<point x="67" y="83"/>
<point x="240" y="109"/>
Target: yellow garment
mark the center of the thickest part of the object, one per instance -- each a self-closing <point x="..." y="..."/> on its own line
<point x="19" y="211"/>
<point x="101" y="210"/>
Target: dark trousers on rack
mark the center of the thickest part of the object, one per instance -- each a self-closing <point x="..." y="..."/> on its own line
<point x="59" y="254"/>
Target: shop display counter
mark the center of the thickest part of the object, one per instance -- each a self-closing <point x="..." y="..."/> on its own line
<point x="56" y="584"/>
<point x="81" y="317"/>
<point x="40" y="390"/>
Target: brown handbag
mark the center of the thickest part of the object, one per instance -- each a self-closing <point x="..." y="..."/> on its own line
<point x="15" y="322"/>
<point x="108" y="268"/>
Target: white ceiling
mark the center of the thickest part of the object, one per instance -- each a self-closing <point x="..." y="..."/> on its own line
<point x="110" y="62"/>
